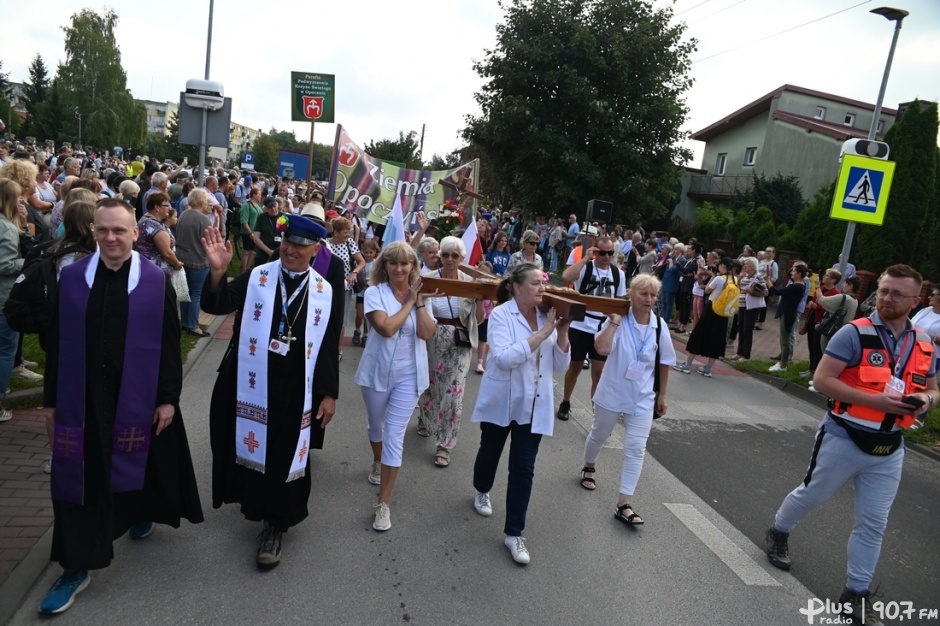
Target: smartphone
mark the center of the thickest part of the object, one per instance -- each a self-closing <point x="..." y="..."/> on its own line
<point x="913" y="401"/>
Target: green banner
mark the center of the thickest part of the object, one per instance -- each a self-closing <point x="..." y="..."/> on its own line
<point x="313" y="97"/>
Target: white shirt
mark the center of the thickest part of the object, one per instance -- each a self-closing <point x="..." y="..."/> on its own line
<point x="604" y="288"/>
<point x="634" y="343"/>
<point x="515" y="389"/>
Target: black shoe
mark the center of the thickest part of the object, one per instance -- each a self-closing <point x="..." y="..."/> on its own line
<point x="777" y="550"/>
<point x="269" y="547"/>
<point x="564" y="411"/>
<point x="860" y="606"/>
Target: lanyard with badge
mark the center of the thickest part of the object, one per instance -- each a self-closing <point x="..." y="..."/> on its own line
<point x="897" y="360"/>
<point x="635" y="370"/>
<point x="281" y="343"/>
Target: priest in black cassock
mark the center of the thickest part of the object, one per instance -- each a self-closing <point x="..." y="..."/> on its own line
<point x="278" y="382"/>
<point x="114" y="373"/>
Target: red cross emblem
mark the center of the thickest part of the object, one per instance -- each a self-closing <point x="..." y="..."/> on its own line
<point x="303" y="451"/>
<point x="250" y="442"/>
<point x="313" y="107"/>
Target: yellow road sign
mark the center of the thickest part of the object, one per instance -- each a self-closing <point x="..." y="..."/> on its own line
<point x="862" y="191"/>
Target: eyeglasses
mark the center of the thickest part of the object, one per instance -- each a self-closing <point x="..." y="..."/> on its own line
<point x="165" y="204"/>
<point x="531" y="243"/>
<point x="449" y="255"/>
<point x="896" y="296"/>
<point x="604" y="252"/>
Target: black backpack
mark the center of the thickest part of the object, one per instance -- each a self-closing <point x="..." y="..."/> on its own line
<point x="32" y="301"/>
<point x="589" y="282"/>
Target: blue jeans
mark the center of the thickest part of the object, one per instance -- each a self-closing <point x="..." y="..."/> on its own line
<point x="522" y="452"/>
<point x="189" y="311"/>
<point x="668" y="304"/>
<point x="9" y="339"/>
<point x="876" y="479"/>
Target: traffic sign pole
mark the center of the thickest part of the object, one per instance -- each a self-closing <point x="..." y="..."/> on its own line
<point x="897" y="17"/>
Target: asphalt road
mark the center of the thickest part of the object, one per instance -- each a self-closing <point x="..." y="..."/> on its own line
<point x="709" y="488"/>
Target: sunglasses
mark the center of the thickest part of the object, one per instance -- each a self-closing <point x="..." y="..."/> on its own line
<point x="604" y="252"/>
<point x="449" y="255"/>
<point x="531" y="243"/>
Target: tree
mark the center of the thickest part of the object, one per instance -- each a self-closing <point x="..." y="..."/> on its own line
<point x="94" y="84"/>
<point x="174" y="149"/>
<point x="265" y="152"/>
<point x="585" y="99"/>
<point x="6" y="105"/>
<point x="781" y="194"/>
<point x="904" y="236"/>
<point x="34" y="92"/>
<point x="51" y="115"/>
<point x="401" y="150"/>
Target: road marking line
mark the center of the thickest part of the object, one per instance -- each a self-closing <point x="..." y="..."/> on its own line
<point x="731" y="555"/>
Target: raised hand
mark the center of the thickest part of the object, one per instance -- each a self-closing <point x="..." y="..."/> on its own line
<point x="218" y="250"/>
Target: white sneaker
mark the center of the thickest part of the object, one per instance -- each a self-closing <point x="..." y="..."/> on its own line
<point x="776" y="368"/>
<point x="812" y="388"/>
<point x="27" y="363"/>
<point x="383" y="517"/>
<point x="516" y="545"/>
<point x="482" y="504"/>
<point x="47" y="466"/>
<point x="375" y="474"/>
<point x="6" y="415"/>
<point x="20" y="371"/>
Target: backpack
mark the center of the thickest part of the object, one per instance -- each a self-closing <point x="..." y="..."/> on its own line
<point x="32" y="301"/>
<point x="588" y="283"/>
<point x="727" y="303"/>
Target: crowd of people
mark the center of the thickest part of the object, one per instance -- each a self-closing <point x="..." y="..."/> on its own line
<point x="130" y="255"/>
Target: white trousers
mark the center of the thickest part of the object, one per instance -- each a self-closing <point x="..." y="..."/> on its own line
<point x="634" y="443"/>
<point x="389" y="413"/>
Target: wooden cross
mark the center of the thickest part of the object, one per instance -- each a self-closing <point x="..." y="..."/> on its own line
<point x="463" y="186"/>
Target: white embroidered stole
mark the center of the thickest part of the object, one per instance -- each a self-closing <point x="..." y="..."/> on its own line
<point x="251" y="399"/>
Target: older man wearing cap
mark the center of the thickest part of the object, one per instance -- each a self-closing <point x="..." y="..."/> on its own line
<point x="262" y="428"/>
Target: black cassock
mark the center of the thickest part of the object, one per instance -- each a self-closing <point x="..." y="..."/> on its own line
<point x="82" y="534"/>
<point x="268" y="496"/>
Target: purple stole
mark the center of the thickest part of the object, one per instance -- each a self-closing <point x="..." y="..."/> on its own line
<point x="321" y="262"/>
<point x="133" y="422"/>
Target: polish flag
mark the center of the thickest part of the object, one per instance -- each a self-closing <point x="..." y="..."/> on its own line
<point x="471" y="240"/>
<point x="395" y="226"/>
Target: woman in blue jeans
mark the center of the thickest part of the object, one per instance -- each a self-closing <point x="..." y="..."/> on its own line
<point x="192" y="224"/>
<point x="10" y="265"/>
<point x="528" y="348"/>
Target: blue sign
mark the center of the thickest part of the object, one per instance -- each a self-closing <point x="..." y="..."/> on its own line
<point x="863" y="189"/>
<point x="249" y="158"/>
<point x="292" y="165"/>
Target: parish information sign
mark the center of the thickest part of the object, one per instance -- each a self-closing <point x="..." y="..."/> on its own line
<point x="312" y="97"/>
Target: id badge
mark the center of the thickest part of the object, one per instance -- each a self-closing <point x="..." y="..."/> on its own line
<point x="277" y="239"/>
<point x="635" y="372"/>
<point x="894" y="388"/>
<point x="278" y="347"/>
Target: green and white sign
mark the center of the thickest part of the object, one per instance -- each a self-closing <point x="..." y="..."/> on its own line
<point x="312" y="97"/>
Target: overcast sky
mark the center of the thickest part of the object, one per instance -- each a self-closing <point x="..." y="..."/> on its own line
<point x="402" y="64"/>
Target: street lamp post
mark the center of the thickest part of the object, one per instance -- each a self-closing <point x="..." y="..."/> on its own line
<point x="897" y="16"/>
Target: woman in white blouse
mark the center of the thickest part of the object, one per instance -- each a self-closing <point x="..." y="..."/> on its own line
<point x="393" y="370"/>
<point x="626" y="388"/>
<point x="528" y="347"/>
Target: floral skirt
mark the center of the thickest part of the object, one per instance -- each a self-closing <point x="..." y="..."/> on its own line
<point x="441" y="404"/>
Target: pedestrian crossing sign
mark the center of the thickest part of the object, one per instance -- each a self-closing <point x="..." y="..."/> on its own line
<point x="862" y="191"/>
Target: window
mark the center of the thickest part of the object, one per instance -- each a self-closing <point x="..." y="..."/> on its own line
<point x="720" y="165"/>
<point x="750" y="156"/>
<point x="849" y="119"/>
<point x="881" y="126"/>
<point x="820" y="113"/>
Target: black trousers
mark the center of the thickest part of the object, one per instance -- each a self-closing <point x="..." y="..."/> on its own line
<point x="522" y="452"/>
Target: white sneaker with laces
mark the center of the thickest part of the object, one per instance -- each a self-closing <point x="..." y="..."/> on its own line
<point x="375" y="473"/>
<point x="383" y="517"/>
<point x="6" y="415"/>
<point x="21" y="372"/>
<point x="482" y="504"/>
<point x="27" y="363"/>
<point x="776" y="368"/>
<point x="516" y="545"/>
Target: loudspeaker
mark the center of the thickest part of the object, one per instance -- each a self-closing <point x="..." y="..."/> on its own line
<point x="600" y="210"/>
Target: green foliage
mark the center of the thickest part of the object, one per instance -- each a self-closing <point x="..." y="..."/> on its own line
<point x="815" y="236"/>
<point x="584" y="99"/>
<point x="93" y="84"/>
<point x="904" y="236"/>
<point x="51" y="114"/>
<point x="35" y="90"/>
<point x="781" y="194"/>
<point x="265" y="151"/>
<point x="173" y="149"/>
<point x="405" y="149"/>
<point x="322" y="153"/>
<point x="712" y="222"/>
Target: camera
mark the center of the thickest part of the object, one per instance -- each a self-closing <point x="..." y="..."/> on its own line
<point x="712" y="268"/>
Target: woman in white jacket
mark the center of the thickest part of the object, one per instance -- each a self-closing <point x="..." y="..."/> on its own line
<point x="393" y="370"/>
<point x="528" y="347"/>
<point x="626" y="387"/>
